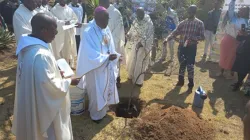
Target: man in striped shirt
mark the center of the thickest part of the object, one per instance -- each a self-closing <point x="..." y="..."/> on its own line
<point x="190" y="32"/>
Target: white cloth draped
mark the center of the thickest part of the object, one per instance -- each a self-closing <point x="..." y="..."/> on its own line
<point x="138" y="59"/>
<point x="22" y="21"/>
<point x="99" y="72"/>
<point x="79" y="13"/>
<point x="42" y="102"/>
<point x="65" y="41"/>
<point x="56" y="48"/>
<point x="117" y="29"/>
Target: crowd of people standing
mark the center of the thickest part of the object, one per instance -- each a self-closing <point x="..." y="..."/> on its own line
<point x="46" y="33"/>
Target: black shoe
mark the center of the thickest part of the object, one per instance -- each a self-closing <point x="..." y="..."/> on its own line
<point x="118" y="82"/>
<point x="180" y="84"/>
<point x="139" y="85"/>
<point x="118" y="85"/>
<point x="97" y="121"/>
<point x="190" y="90"/>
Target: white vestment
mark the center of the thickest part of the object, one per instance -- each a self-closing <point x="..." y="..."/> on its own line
<point x="22" y="21"/>
<point x="56" y="43"/>
<point x="47" y="7"/>
<point x="138" y="59"/>
<point x="117" y="29"/>
<point x="79" y="13"/>
<point x="66" y="41"/>
<point x="42" y="101"/>
<point x="99" y="72"/>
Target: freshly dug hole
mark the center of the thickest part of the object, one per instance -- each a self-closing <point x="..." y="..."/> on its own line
<point x="122" y="109"/>
<point x="173" y="123"/>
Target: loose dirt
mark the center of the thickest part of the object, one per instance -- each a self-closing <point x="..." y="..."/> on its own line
<point x="173" y="123"/>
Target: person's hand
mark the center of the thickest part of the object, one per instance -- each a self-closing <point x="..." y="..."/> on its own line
<point x="242" y="33"/>
<point x="112" y="57"/>
<point x="165" y="41"/>
<point x="67" y="23"/>
<point x="121" y="58"/>
<point x="78" y="25"/>
<point x="75" y="81"/>
<point x="62" y="72"/>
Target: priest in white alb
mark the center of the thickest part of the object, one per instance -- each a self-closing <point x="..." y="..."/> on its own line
<point x="97" y="62"/>
<point x="56" y="43"/>
<point x="117" y="29"/>
<point x="140" y="39"/>
<point x="78" y="10"/>
<point x="22" y="18"/>
<point x="42" y="100"/>
<point x="66" y="41"/>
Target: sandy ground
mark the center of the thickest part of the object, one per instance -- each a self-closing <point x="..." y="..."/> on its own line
<point x="223" y="108"/>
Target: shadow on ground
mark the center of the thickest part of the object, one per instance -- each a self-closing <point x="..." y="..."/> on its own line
<point x="85" y="129"/>
<point x="173" y="97"/>
<point x="221" y="93"/>
<point x="7" y="91"/>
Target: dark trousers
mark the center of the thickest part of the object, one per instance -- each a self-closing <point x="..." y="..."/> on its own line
<point x="153" y="51"/>
<point x="241" y="77"/>
<point x="186" y="56"/>
<point x="78" y="40"/>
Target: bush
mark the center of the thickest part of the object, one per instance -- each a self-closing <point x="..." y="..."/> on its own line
<point x="6" y="39"/>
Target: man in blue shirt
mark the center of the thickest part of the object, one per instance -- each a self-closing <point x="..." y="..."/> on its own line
<point x="171" y="22"/>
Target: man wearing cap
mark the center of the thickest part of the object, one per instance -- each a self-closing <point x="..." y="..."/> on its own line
<point x="97" y="64"/>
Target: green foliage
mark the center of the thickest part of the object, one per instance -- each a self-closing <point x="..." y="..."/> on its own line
<point x="179" y="5"/>
<point x="6" y="39"/>
<point x="90" y="7"/>
<point x="204" y="6"/>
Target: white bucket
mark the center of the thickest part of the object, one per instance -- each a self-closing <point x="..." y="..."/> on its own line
<point x="77" y="97"/>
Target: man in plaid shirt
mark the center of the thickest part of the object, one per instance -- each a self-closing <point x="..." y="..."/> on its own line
<point x="191" y="31"/>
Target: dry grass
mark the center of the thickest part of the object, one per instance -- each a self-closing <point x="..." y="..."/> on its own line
<point x="223" y="108"/>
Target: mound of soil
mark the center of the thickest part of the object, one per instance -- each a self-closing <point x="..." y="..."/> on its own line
<point x="173" y="123"/>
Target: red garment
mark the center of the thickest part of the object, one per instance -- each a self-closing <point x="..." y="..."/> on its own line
<point x="228" y="52"/>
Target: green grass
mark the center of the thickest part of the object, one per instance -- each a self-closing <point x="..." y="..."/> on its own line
<point x="223" y="108"/>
